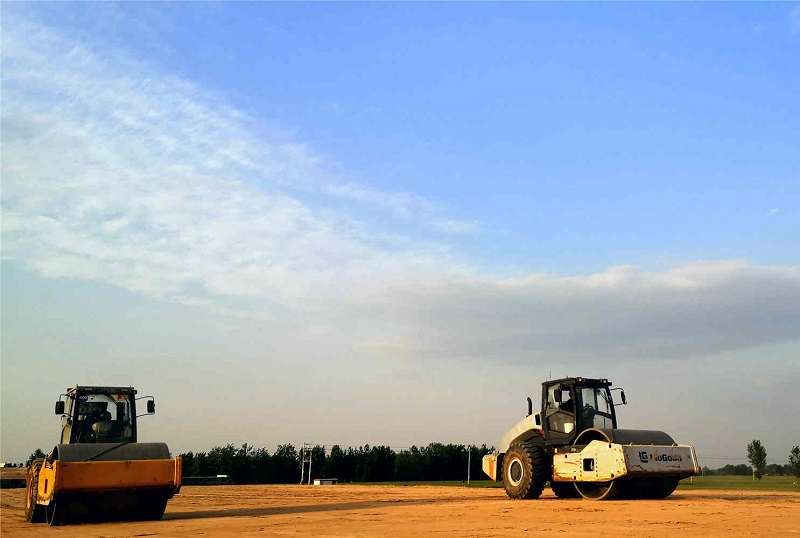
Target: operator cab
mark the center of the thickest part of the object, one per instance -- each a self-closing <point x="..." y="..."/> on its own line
<point x="99" y="415"/>
<point x="574" y="404"/>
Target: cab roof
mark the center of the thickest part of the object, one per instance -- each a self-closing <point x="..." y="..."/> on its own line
<point x="585" y="381"/>
<point x="97" y="389"/>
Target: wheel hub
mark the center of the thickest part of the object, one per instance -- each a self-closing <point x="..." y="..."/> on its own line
<point x="515" y="472"/>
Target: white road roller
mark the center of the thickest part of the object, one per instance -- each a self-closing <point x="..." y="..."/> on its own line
<point x="574" y="444"/>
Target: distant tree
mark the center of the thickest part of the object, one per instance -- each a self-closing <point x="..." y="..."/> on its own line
<point x="794" y="462"/>
<point x="318" y="462"/>
<point x="776" y="469"/>
<point x="286" y="465"/>
<point x="335" y="464"/>
<point x="262" y="465"/>
<point x="757" y="456"/>
<point x="36" y="454"/>
<point x="188" y="463"/>
<point x="408" y="465"/>
<point x="221" y="459"/>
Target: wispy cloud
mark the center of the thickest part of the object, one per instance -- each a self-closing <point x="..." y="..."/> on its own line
<point x="115" y="172"/>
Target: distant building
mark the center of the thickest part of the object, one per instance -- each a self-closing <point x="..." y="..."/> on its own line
<point x="326" y="481"/>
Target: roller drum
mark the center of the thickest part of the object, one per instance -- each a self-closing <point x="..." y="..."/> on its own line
<point x="71" y="505"/>
<point x="625" y="437"/>
<point x="658" y="487"/>
<point x="112" y="452"/>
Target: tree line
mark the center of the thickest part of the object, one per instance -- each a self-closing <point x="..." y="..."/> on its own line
<point x="757" y="456"/>
<point x="434" y="462"/>
<point x="773" y="469"/>
<point x="250" y="465"/>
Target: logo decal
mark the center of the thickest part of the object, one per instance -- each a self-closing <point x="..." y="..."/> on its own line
<point x="646" y="457"/>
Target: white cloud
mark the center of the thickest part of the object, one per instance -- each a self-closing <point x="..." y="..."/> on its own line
<point x="116" y="173"/>
<point x="622" y="313"/>
<point x="774" y="211"/>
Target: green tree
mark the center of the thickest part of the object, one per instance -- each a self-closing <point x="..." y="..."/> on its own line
<point x="794" y="462"/>
<point x="286" y="464"/>
<point x="757" y="456"/>
<point x="36" y="454"/>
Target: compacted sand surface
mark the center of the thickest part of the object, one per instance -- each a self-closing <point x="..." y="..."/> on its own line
<point x="345" y="510"/>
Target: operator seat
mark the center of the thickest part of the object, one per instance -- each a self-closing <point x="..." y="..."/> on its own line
<point x="102" y="427"/>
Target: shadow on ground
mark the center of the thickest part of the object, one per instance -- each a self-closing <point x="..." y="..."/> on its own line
<point x="304" y="509"/>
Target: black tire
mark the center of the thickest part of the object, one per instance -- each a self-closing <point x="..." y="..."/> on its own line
<point x="525" y="470"/>
<point x="564" y="490"/>
<point x="34" y="513"/>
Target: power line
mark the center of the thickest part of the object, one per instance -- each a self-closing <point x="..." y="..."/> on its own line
<point x="401" y="448"/>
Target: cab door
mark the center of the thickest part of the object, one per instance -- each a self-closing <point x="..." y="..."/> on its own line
<point x="559" y="414"/>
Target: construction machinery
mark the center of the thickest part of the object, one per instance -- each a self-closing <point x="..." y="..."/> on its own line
<point x="99" y="472"/>
<point x="574" y="443"/>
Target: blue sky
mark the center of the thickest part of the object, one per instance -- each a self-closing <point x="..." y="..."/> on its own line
<point x="571" y="137"/>
<point x="433" y="194"/>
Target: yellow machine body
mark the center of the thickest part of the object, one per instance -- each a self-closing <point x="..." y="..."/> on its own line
<point x="91" y="476"/>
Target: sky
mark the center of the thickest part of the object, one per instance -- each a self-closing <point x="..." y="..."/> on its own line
<point x="388" y="223"/>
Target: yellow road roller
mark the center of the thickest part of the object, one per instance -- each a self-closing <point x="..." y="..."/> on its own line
<point x="99" y="472"/>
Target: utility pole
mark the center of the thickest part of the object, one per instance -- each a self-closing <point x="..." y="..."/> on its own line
<point x="302" y="462"/>
<point x="469" y="461"/>
<point x="305" y="457"/>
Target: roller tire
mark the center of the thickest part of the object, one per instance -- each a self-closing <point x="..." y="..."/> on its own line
<point x="34" y="513"/>
<point x="666" y="488"/>
<point x="601" y="491"/>
<point x="55" y="512"/>
<point x="525" y="470"/>
<point x="654" y="488"/>
<point x="565" y="490"/>
<point x="152" y="509"/>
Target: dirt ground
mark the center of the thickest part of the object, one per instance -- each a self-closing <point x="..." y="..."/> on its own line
<point x="345" y="510"/>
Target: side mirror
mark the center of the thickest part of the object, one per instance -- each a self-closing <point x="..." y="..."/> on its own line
<point x="151" y="407"/>
<point x="622" y="395"/>
<point x="60" y="407"/>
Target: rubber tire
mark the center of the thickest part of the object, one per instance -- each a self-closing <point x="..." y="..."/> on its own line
<point x="565" y="490"/>
<point x="525" y="470"/>
<point x="34" y="513"/>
